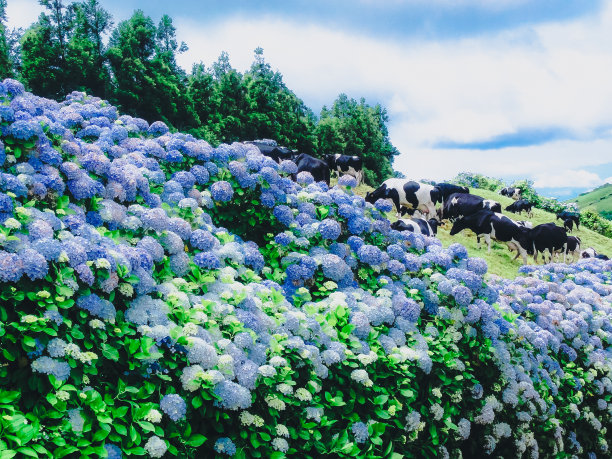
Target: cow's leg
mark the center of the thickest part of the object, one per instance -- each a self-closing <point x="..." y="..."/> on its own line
<point x="565" y="252"/>
<point x="478" y="241"/>
<point x="488" y="241"/>
<point x="523" y="253"/>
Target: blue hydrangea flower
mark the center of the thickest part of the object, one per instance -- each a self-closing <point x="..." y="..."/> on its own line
<point x="207" y="260"/>
<point x="225" y="446"/>
<point x="222" y="191"/>
<point x="329" y="229"/>
<point x="283" y="214"/>
<point x="174" y="406"/>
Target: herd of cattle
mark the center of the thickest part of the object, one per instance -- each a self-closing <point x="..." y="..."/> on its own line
<point x="464" y="210"/>
<point x="483" y="216"/>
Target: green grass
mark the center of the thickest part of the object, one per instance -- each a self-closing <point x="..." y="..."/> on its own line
<point x="600" y="199"/>
<point x="500" y="260"/>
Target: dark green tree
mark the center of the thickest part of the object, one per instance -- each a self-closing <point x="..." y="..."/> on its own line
<point x="274" y="111"/>
<point x="201" y="91"/>
<point x="146" y="83"/>
<point x="44" y="48"/>
<point x="86" y="51"/>
<point x="6" y="64"/>
<point x="356" y="128"/>
<point x="228" y="119"/>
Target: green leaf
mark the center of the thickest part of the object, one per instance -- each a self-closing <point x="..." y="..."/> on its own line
<point x="120" y="428"/>
<point x="110" y="352"/>
<point x="100" y="435"/>
<point x="8" y="396"/>
<point x="196" y="440"/>
<point x="7" y="454"/>
<point x="197" y="402"/>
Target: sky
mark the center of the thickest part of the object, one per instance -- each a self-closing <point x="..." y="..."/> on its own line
<point x="508" y="88"/>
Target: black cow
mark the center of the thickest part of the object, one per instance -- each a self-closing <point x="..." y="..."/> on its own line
<point x="567" y="215"/>
<point x="417" y="225"/>
<point x="318" y="168"/>
<point x="275" y="152"/>
<point x="548" y="236"/>
<point x="497" y="226"/>
<point x="463" y="204"/>
<point x="414" y="195"/>
<point x="511" y="192"/>
<point x="344" y="164"/>
<point x="446" y="189"/>
<point x="521" y="205"/>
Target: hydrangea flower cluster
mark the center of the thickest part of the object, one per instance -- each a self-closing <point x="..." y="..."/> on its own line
<point x="125" y="286"/>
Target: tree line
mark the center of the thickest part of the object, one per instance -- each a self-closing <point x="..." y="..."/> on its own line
<point x="77" y="46"/>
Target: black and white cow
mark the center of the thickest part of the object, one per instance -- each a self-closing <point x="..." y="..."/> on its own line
<point x="519" y="206"/>
<point x="318" y="168"/>
<point x="573" y="247"/>
<point x="275" y="152"/>
<point x="511" y="192"/>
<point x="567" y="215"/>
<point x="462" y="204"/>
<point x="548" y="237"/>
<point x="524" y="223"/>
<point x="417" y="225"/>
<point x="344" y="164"/>
<point x="591" y="253"/>
<point x="493" y="225"/>
<point x="407" y="193"/>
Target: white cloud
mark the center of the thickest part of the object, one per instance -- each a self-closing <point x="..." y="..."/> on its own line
<point x="567" y="178"/>
<point x="461" y="90"/>
<point x="22" y="13"/>
<point x="608" y="180"/>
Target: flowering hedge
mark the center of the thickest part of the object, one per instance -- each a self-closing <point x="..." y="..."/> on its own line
<point x="162" y="297"/>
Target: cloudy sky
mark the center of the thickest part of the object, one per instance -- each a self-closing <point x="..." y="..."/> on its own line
<point x="507" y="88"/>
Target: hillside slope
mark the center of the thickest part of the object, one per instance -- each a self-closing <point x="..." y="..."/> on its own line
<point x="599" y="199"/>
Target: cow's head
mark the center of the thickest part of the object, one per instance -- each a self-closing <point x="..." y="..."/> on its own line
<point x="399" y="225"/>
<point x="436" y="195"/>
<point x="459" y="225"/>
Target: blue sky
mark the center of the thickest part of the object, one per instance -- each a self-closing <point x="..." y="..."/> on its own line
<point x="508" y="88"/>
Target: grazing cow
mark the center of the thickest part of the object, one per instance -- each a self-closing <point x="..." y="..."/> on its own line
<point x="548" y="236"/>
<point x="275" y="152"/>
<point x="521" y="205"/>
<point x="524" y="224"/>
<point x="414" y="195"/>
<point x="567" y="215"/>
<point x="463" y="204"/>
<point x="318" y="168"/>
<point x="573" y="247"/>
<point x="591" y="253"/>
<point x="417" y="225"/>
<point x="497" y="226"/>
<point x="511" y="192"/>
<point x="343" y="164"/>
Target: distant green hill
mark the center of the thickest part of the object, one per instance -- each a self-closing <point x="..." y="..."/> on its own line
<point x="599" y="199"/>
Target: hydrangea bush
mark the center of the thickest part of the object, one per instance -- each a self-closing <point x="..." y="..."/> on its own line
<point x="161" y="297"/>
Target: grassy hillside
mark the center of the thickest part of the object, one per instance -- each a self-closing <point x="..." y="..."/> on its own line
<point x="500" y="259"/>
<point x="599" y="199"/>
